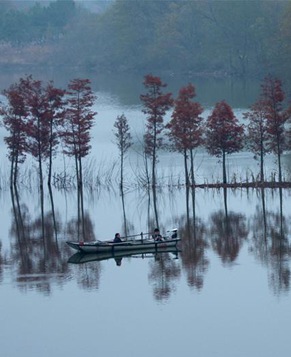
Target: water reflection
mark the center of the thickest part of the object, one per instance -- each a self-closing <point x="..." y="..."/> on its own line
<point x="227" y="233"/>
<point x="163" y="274"/>
<point x="37" y="257"/>
<point x="194" y="247"/>
<point x="81" y="258"/>
<point x="270" y="243"/>
<point x="42" y="260"/>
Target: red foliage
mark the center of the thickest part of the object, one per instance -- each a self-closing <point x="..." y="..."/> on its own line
<point x="156" y="105"/>
<point x="78" y="118"/>
<point x="272" y="98"/>
<point x="258" y="136"/>
<point x="36" y="125"/>
<point x="185" y="125"/>
<point x="223" y="133"/>
<point x="14" y="115"/>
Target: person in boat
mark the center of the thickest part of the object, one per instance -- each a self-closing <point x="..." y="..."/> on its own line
<point x="175" y="234"/>
<point x="157" y="236"/>
<point x="117" y="238"/>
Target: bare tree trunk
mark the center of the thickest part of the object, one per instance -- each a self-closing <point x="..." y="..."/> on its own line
<point x="186" y="169"/>
<point x="279" y="167"/>
<point x="193" y="187"/>
<point x="53" y="212"/>
<point x="155" y="206"/>
<point x="121" y="169"/>
<point x="262" y="163"/>
<point x="124" y="212"/>
<point x="224" y="168"/>
<point x="12" y="176"/>
<point x="80" y="188"/>
<point x="41" y="193"/>
<point x="49" y="179"/>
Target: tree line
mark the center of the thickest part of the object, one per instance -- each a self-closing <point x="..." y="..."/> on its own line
<point x="266" y="130"/>
<point x="40" y="119"/>
<point x="221" y="38"/>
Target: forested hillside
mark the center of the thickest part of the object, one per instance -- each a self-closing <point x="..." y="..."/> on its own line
<point x="207" y="37"/>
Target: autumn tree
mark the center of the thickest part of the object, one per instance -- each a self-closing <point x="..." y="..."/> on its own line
<point x="36" y="126"/>
<point x="257" y="133"/>
<point x="224" y="134"/>
<point x="14" y="115"/>
<point x="55" y="115"/>
<point x="272" y="97"/>
<point x="36" y="123"/>
<point x="185" y="127"/>
<point x="123" y="141"/>
<point x="156" y="104"/>
<point x="78" y="122"/>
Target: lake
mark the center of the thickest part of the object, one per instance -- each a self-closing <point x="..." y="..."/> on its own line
<point x="225" y="293"/>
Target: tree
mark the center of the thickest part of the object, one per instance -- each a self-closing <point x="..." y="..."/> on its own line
<point x="272" y="98"/>
<point x="224" y="135"/>
<point x="36" y="123"/>
<point x="78" y="122"/>
<point x="14" y="115"/>
<point x="155" y="105"/>
<point x="36" y="126"/>
<point x="123" y="140"/>
<point x="257" y="133"/>
<point x="55" y="115"/>
<point x="186" y="126"/>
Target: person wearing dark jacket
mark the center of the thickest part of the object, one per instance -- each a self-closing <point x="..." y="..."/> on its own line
<point x="157" y="236"/>
<point x="117" y="238"/>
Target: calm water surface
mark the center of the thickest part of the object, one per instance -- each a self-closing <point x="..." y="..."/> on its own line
<point x="225" y="294"/>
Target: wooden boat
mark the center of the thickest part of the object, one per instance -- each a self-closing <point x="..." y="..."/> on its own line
<point x="140" y="242"/>
<point x="81" y="258"/>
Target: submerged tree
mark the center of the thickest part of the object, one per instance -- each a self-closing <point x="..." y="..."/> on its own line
<point x="31" y="117"/>
<point x="36" y="123"/>
<point x="14" y="114"/>
<point x="186" y="127"/>
<point x="78" y="121"/>
<point x="272" y="99"/>
<point x="55" y="115"/>
<point x="156" y="104"/>
<point x="224" y="135"/>
<point x="123" y="140"/>
<point x="37" y="128"/>
<point x="257" y="134"/>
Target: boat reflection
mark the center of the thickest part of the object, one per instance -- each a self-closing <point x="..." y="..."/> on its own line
<point x="80" y="258"/>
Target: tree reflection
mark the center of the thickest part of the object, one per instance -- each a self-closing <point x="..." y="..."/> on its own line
<point x="88" y="276"/>
<point x="164" y="271"/>
<point x="227" y="233"/>
<point x="193" y="251"/>
<point x="38" y="261"/>
<point x="73" y="228"/>
<point x="193" y="244"/>
<point x="41" y="261"/>
<point x="270" y="243"/>
<point x="127" y="227"/>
